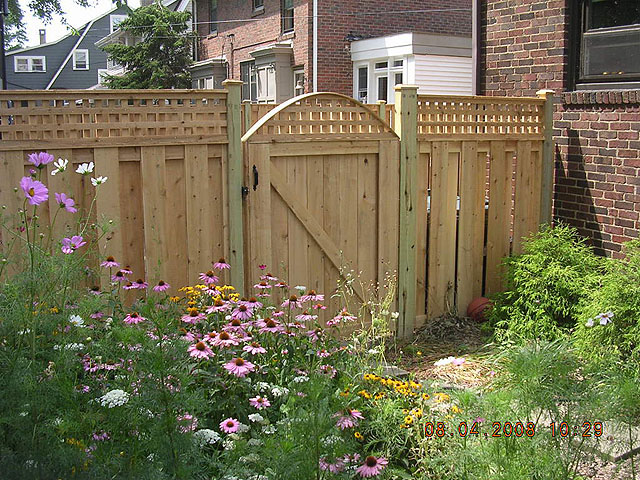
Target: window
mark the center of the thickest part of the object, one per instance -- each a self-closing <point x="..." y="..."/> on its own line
<point x="250" y="84"/>
<point x="609" y="43"/>
<point x="287" y="15"/>
<point x="113" y="64"/>
<point x="29" y="64"/>
<point x="102" y="74"/>
<point x="81" y="59"/>
<point x="258" y="4"/>
<point x="115" y="20"/>
<point x="383" y="88"/>
<point x="213" y="16"/>
<point x="363" y="81"/>
<point x="298" y="82"/>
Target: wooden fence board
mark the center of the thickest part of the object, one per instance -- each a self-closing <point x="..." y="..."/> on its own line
<point x="198" y="211"/>
<point x="154" y="201"/>
<point x="177" y="260"/>
<point x="315" y="203"/>
<point x="260" y="208"/>
<point x="527" y="195"/>
<point x="367" y="190"/>
<point x="296" y="175"/>
<point x="422" y="186"/>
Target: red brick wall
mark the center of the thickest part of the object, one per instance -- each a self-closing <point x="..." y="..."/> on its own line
<point x="524" y="48"/>
<point x="339" y="18"/>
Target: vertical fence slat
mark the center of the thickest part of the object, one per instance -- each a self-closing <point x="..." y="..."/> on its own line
<point x="154" y="201"/>
<point x="132" y="215"/>
<point x="442" y="230"/>
<point x="367" y="222"/>
<point x="424" y="159"/>
<point x="499" y="220"/>
<point x="348" y="212"/>
<point x="176" y="241"/>
<point x="315" y="201"/>
<point x="260" y="215"/>
<point x="198" y="210"/>
<point x="526" y="197"/>
<point x="331" y="224"/>
<point x="298" y="238"/>
<point x="471" y="225"/>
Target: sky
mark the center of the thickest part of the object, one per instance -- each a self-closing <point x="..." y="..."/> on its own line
<point x="76" y="16"/>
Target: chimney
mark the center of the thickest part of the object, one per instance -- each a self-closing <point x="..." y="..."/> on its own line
<point x="43" y="36"/>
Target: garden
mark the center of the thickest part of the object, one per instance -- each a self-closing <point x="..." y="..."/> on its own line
<point x="127" y="380"/>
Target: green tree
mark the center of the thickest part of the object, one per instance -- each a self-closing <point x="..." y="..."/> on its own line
<point x="162" y="57"/>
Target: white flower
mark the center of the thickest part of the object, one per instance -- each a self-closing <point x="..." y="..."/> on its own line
<point x="256" y="417"/>
<point x="300" y="288"/>
<point x="206" y="436"/>
<point x="85" y="168"/>
<point x="254" y="442"/>
<point x="70" y="346"/>
<point x="76" y="320"/>
<point x="395" y="315"/>
<point x="589" y="323"/>
<point x="114" y="398"/>
<point x="61" y="166"/>
<point x="331" y="440"/>
<point x="280" y="391"/>
<point x="444" y="361"/>
<point x="262" y="386"/>
<point x="228" y="444"/>
<point x="269" y="429"/>
<point x="98" y="181"/>
<point x="242" y="427"/>
<point x="251" y="458"/>
<point x="301" y="379"/>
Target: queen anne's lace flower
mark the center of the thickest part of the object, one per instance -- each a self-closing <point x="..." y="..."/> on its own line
<point x="114" y="398"/>
<point x="206" y="436"/>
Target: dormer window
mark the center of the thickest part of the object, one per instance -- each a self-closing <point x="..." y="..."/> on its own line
<point x="115" y="20"/>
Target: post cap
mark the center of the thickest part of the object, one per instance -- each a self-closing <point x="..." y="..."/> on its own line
<point x="403" y="86"/>
<point x="230" y="82"/>
<point x="545" y="92"/>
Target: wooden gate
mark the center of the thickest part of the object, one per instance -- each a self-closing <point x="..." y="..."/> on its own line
<point x="323" y="194"/>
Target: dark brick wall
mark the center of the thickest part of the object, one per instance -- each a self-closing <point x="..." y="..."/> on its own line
<point x="525" y="48"/>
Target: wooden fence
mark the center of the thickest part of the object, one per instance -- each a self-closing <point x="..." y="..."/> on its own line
<point x="439" y="189"/>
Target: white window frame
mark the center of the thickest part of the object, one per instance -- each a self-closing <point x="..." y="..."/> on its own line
<point x="30" y="60"/>
<point x="80" y="50"/>
<point x="296" y="74"/>
<point x="101" y="73"/>
<point x="113" y="27"/>
<point x="374" y="74"/>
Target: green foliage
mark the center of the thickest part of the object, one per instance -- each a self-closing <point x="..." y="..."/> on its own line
<point x="619" y="293"/>
<point x="162" y="58"/>
<point x="546" y="286"/>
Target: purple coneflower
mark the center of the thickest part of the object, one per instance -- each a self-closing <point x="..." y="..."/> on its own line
<point x="208" y="277"/>
<point x="97" y="315"/>
<point x="110" y="262"/>
<point x="162" y="286"/>
<point x="70" y="245"/>
<point x="292" y="302"/>
<point x="35" y="191"/>
<point x="223" y="339"/>
<point x="194" y="316"/>
<point x="312" y="296"/>
<point x="372" y="466"/>
<point x="323" y="353"/>
<point x="328" y="370"/>
<point x="95" y="290"/>
<point x="200" y="350"/>
<point x="242" y="312"/>
<point x="239" y="367"/>
<point x="306" y="317"/>
<point x="269" y="277"/>
<point x="336" y="467"/>
<point x="66" y="202"/>
<point x="140" y="284"/>
<point x="133" y="318"/>
<point x="252" y="303"/>
<point x="127" y="270"/>
<point x="269" y="325"/>
<point x="230" y="425"/>
<point x="221" y="265"/>
<point x="259" y="402"/>
<point x="281" y="285"/>
<point x="262" y="285"/>
<point x="254" y="348"/>
<point x="41" y="159"/>
<point x="119" y="276"/>
<point x="129" y="286"/>
<point x="345" y="421"/>
<point x="188" y="423"/>
<point x="314" y="334"/>
<point x="218" y="306"/>
<point x="319" y="306"/>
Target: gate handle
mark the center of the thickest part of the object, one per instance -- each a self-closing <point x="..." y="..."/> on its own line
<point x="255" y="178"/>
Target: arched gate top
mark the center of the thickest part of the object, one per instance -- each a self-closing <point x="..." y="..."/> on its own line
<point x="320" y="116"/>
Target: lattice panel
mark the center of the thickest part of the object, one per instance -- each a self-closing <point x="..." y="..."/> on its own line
<point x="480" y="116"/>
<point x="317" y="115"/>
<point x="112" y="114"/>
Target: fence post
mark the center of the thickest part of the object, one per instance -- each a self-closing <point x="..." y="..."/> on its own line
<point x="406" y="127"/>
<point x="382" y="110"/>
<point x="246" y="105"/>
<point x="234" y="182"/>
<point x="548" y="165"/>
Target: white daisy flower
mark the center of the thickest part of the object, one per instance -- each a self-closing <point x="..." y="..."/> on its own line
<point x="98" y="181"/>
<point x="76" y="320"/>
<point x="85" y="168"/>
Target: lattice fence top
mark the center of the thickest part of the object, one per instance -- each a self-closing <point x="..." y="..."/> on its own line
<point x="111" y="117"/>
<point x="480" y="117"/>
<point x="323" y="116"/>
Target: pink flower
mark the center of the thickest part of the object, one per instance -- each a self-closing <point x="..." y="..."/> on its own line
<point x="259" y="402"/>
<point x="306" y="317"/>
<point x="336" y="467"/>
<point x="262" y="267"/>
<point x="218" y="306"/>
<point x="129" y="286"/>
<point x="223" y="339"/>
<point x="323" y="353"/>
<point x="119" y="276"/>
<point x="126" y="270"/>
<point x="161" y="286"/>
<point x="252" y="303"/>
<point x="315" y="334"/>
<point x="292" y="302"/>
<point x="269" y="277"/>
<point x="209" y="277"/>
<point x="239" y="367"/>
<point x="70" y="245"/>
<point x="242" y="312"/>
<point x="458" y="361"/>
<point x="188" y="423"/>
<point x="230" y="425"/>
<point x="269" y="325"/>
<point x="66" y="202"/>
<point x="221" y="265"/>
<point x="312" y="296"/>
<point x="200" y="350"/>
<point x="41" y="159"/>
<point x="133" y="318"/>
<point x="97" y="315"/>
<point x="140" y="284"/>
<point x="110" y="262"/>
<point x="194" y="316"/>
<point x="372" y="466"/>
<point x="262" y="285"/>
<point x="319" y="306"/>
<point x="35" y="191"/>
<point x="254" y="349"/>
<point x="349" y="420"/>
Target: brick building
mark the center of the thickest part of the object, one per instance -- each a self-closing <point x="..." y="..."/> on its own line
<point x="588" y="52"/>
<point x="269" y="44"/>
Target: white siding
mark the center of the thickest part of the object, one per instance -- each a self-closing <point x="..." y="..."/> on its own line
<point x="443" y="75"/>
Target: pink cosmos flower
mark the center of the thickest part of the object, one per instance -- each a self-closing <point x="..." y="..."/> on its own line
<point x="200" y="350"/>
<point x="110" y="262"/>
<point x="312" y="296"/>
<point x="254" y="348"/>
<point x="292" y="302"/>
<point x="41" y="159"/>
<point x="306" y="317"/>
<point x="161" y="286"/>
<point x="70" y="245"/>
<point x="262" y="285"/>
<point x="230" y="425"/>
<point x="336" y="467"/>
<point x="242" y="312"/>
<point x="221" y="265"/>
<point x="239" y="367"/>
<point x="35" y="191"/>
<point x="66" y="202"/>
<point x="259" y="402"/>
<point x="372" y="466"/>
<point x="224" y="339"/>
<point x="208" y="277"/>
<point x="133" y="318"/>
